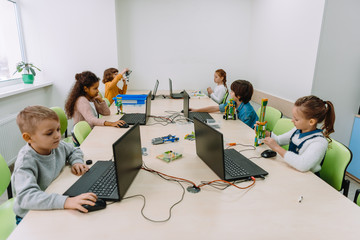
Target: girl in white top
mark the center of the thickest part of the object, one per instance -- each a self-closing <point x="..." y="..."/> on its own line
<point x="308" y="144"/>
<point x="220" y="90"/>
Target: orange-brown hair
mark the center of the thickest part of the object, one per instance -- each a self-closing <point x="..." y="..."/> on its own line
<point x="84" y="79"/>
<point x="29" y="118"/>
<point x="314" y="108"/>
<point x="222" y="74"/>
<point x="108" y="74"/>
<point x="243" y="90"/>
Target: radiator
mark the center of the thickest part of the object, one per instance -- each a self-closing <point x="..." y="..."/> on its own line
<point x="10" y="138"/>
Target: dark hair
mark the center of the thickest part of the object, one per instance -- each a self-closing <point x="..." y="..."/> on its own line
<point x="314" y="108"/>
<point x="243" y="90"/>
<point x="84" y="79"/>
<point x="108" y="75"/>
<point x="222" y="74"/>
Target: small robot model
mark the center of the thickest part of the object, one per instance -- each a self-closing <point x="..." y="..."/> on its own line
<point x="119" y="105"/>
<point x="260" y="128"/>
<point x="127" y="74"/>
<point x="190" y="136"/>
<point x="230" y="110"/>
<point x="168" y="138"/>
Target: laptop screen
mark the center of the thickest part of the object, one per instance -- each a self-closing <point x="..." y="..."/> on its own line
<point x="155" y="88"/>
<point x="127" y="158"/>
<point x="210" y="147"/>
<point x="148" y="107"/>
<point x="186" y="104"/>
<point x="170" y="86"/>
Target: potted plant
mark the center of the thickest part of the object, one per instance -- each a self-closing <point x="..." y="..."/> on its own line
<point x="28" y="76"/>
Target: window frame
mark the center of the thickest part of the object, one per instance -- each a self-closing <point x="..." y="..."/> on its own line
<point x="16" y="80"/>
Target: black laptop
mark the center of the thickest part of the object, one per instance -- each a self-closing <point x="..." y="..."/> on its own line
<point x="110" y="180"/>
<point x="141" y="118"/>
<point x="228" y="164"/>
<point x="174" y="95"/>
<point x="202" y="116"/>
<point x="155" y="90"/>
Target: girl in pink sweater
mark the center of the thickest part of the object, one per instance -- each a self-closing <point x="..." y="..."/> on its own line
<point x="84" y="102"/>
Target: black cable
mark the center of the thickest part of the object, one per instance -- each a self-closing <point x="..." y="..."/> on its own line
<point x="143" y="207"/>
<point x="254" y="157"/>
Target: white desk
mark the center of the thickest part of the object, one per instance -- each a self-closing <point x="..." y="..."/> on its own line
<point x="269" y="210"/>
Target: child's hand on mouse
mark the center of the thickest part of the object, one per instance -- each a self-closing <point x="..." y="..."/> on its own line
<point x="79" y="169"/>
<point x="120" y="123"/>
<point x="274" y="146"/>
<point x="114" y="124"/>
<point x="78" y="201"/>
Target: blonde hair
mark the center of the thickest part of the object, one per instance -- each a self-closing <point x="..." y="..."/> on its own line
<point x="29" y="118"/>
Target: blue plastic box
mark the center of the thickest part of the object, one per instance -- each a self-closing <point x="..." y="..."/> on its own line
<point x="131" y="99"/>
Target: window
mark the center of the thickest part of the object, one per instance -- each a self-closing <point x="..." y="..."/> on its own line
<point x="12" y="48"/>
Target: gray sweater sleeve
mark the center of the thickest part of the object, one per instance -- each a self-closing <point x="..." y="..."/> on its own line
<point x="73" y="154"/>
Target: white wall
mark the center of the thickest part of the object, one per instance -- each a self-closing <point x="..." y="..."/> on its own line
<point x="284" y="41"/>
<point x="337" y="75"/>
<point x="184" y="40"/>
<point x="67" y="37"/>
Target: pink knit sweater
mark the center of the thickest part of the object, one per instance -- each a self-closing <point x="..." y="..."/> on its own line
<point x="84" y="112"/>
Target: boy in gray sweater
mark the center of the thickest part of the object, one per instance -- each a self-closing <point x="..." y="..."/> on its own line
<point x="41" y="160"/>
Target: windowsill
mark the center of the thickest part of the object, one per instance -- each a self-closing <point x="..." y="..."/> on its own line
<point x="21" y="88"/>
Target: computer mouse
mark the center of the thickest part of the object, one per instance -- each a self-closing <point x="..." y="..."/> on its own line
<point x="268" y="153"/>
<point x="99" y="204"/>
<point x="125" y="125"/>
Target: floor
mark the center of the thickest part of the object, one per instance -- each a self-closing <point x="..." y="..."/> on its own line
<point x="353" y="186"/>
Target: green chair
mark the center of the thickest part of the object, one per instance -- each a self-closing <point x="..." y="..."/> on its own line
<point x="282" y="126"/>
<point x="225" y="97"/>
<point x="80" y="132"/>
<point x="63" y="123"/>
<point x="272" y="115"/>
<point x="357" y="197"/>
<point x="335" y="163"/>
<point x="101" y="95"/>
<point x="7" y="215"/>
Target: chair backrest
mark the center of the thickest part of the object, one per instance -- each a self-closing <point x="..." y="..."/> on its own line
<point x="225" y="98"/>
<point x="272" y="115"/>
<point x="62" y="117"/>
<point x="107" y="101"/>
<point x="336" y="161"/>
<point x="81" y="131"/>
<point x="357" y="197"/>
<point x="5" y="175"/>
<point x="282" y="126"/>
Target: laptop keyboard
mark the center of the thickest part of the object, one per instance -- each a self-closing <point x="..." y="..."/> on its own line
<point x="134" y="118"/>
<point x="232" y="168"/>
<point x="106" y="184"/>
<point x="202" y="116"/>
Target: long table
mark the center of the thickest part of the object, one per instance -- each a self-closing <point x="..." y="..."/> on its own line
<point x="268" y="210"/>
